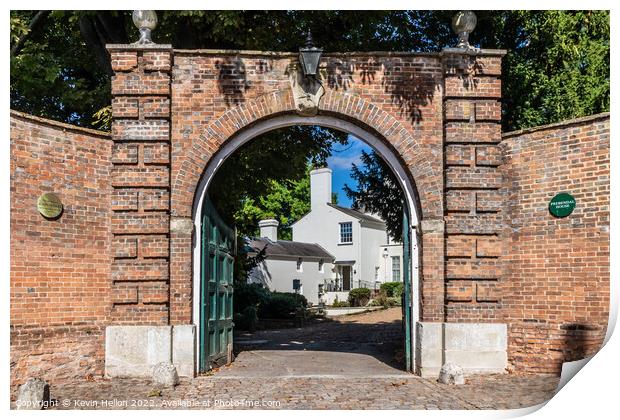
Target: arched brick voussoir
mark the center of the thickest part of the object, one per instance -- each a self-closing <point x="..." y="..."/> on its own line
<point x="185" y="180"/>
<point x="346" y="106"/>
<point x="425" y="176"/>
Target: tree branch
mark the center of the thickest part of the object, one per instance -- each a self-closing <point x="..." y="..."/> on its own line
<point x="35" y="23"/>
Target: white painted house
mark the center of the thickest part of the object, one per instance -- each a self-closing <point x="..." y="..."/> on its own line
<point x="364" y="254"/>
<point x="289" y="266"/>
<point x="353" y="246"/>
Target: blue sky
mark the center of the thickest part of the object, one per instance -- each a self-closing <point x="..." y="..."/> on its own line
<point x="340" y="163"/>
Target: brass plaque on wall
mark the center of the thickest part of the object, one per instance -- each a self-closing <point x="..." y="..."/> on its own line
<point x="49" y="205"/>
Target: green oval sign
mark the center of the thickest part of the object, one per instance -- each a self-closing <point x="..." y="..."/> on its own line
<point x="49" y="205"/>
<point x="562" y="205"/>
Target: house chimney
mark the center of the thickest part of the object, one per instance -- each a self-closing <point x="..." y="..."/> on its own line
<point x="320" y="187"/>
<point x="269" y="229"/>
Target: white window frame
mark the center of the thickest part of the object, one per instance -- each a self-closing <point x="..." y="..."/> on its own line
<point x="340" y="225"/>
<point x="400" y="273"/>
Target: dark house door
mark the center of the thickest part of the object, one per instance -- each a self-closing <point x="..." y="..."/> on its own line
<point x="216" y="290"/>
<point x="346" y="277"/>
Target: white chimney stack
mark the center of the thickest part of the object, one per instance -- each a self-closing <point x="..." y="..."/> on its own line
<point x="269" y="229"/>
<point x="320" y="187"/>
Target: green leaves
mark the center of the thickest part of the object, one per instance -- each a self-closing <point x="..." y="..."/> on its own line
<point x="19" y="28"/>
<point x="102" y="119"/>
<point x="268" y="177"/>
<point x="286" y="201"/>
<point x="52" y="74"/>
<point x="557" y="65"/>
<point x="377" y="191"/>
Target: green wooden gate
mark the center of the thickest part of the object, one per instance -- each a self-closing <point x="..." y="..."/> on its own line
<point x="216" y="290"/>
<point x="407" y="284"/>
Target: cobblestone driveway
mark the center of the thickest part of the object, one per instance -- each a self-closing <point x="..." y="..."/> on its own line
<point x="352" y="363"/>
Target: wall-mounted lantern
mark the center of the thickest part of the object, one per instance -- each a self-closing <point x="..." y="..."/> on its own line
<point x="464" y="23"/>
<point x="145" y="21"/>
<point x="309" y="56"/>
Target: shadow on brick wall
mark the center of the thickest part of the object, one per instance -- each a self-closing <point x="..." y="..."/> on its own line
<point x="581" y="340"/>
<point x="409" y="90"/>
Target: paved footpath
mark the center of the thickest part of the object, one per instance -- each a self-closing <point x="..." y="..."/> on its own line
<point x="354" y="362"/>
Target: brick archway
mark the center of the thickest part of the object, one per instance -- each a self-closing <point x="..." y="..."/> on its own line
<point x="366" y="115"/>
<point x="437" y="114"/>
<point x="380" y="145"/>
<point x="422" y="181"/>
<point x="490" y="295"/>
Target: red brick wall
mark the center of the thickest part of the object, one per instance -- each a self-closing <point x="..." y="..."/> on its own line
<point x="490" y="250"/>
<point x="140" y="220"/>
<point x="472" y="114"/>
<point x="60" y="269"/>
<point x="556" y="291"/>
<point x="212" y="96"/>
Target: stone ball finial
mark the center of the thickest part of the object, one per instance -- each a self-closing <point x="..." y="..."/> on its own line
<point x="463" y="23"/>
<point x="145" y="21"/>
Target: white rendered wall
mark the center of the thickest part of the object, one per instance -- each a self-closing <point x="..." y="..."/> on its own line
<point x="269" y="229"/>
<point x="393" y="250"/>
<point x="320" y="187"/>
<point x="322" y="226"/>
<point x="373" y="235"/>
<point x="278" y="274"/>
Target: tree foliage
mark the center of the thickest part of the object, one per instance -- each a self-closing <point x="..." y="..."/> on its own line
<point x="377" y="191"/>
<point x="268" y="177"/>
<point x="286" y="201"/>
<point x="557" y="64"/>
<point x="556" y="67"/>
<point x="53" y="75"/>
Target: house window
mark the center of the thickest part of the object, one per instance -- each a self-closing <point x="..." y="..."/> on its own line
<point x="396" y="268"/>
<point x="299" y="265"/>
<point x="346" y="233"/>
<point x="321" y="266"/>
<point x="297" y="286"/>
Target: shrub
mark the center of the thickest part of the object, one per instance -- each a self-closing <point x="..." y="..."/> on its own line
<point x="386" y="302"/>
<point x="337" y="303"/>
<point x="252" y="294"/>
<point x="391" y="288"/>
<point x="282" y="305"/>
<point x="264" y="303"/>
<point x="359" y="296"/>
<point x="247" y="319"/>
<point x="393" y="301"/>
<point x="399" y="290"/>
<point x="374" y="302"/>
